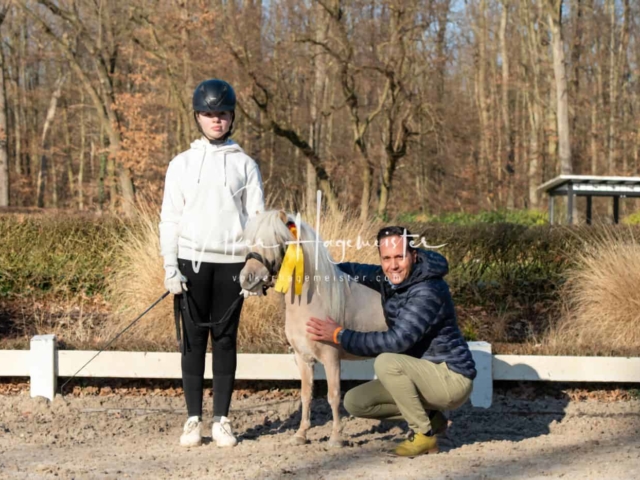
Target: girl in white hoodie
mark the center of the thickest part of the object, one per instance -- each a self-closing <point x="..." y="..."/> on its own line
<point x="210" y="192"/>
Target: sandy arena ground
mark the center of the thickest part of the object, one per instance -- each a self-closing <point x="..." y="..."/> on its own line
<point x="116" y="436"/>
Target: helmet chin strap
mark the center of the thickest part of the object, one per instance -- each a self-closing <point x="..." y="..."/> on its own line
<point x="218" y="141"/>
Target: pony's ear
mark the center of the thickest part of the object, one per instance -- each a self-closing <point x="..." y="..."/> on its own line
<point x="283" y="216"/>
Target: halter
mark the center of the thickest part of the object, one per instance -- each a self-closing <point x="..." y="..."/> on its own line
<point x="266" y="264"/>
<point x="270" y="266"/>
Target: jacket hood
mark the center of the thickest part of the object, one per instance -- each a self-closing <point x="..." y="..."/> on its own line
<point x="204" y="145"/>
<point x="429" y="265"/>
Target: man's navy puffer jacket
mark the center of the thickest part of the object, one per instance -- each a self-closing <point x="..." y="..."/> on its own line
<point x="419" y="314"/>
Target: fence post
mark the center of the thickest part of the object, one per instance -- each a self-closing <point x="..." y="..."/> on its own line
<point x="43" y="366"/>
<point x="482" y="393"/>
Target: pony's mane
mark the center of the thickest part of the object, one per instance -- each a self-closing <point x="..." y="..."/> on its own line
<point x="266" y="234"/>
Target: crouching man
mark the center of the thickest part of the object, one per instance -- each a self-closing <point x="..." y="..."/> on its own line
<point x="423" y="364"/>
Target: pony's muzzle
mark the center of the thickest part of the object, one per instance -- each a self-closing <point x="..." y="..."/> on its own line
<point x="252" y="281"/>
<point x="249" y="281"/>
<point x="254" y="275"/>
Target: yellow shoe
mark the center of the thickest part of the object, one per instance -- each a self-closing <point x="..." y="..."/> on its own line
<point x="417" y="444"/>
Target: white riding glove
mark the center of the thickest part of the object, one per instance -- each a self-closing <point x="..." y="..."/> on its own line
<point x="174" y="281"/>
<point x="249" y="293"/>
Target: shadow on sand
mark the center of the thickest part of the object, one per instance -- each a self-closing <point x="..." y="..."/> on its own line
<point x="518" y="412"/>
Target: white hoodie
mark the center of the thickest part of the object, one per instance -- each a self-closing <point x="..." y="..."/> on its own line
<point x="209" y="193"/>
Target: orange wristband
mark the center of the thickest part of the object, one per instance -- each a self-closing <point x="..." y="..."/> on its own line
<point x="335" y="335"/>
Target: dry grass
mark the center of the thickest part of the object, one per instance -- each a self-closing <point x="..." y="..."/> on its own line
<point x="137" y="281"/>
<point x="602" y="299"/>
<point x="53" y="281"/>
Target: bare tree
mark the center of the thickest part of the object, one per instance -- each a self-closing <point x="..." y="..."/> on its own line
<point x="271" y="97"/>
<point x="506" y="113"/>
<point x="103" y="49"/>
<point x="480" y="28"/>
<point x="577" y="47"/>
<point x="361" y="117"/>
<point x="45" y="142"/>
<point x="531" y="50"/>
<point x="151" y="39"/>
<point x="554" y="15"/>
<point x="331" y="96"/>
<point x="317" y="104"/>
<point x="399" y="67"/>
<point x="4" y="154"/>
<point x="617" y="52"/>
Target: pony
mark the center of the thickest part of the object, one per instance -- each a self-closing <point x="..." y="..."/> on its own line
<point x="326" y="292"/>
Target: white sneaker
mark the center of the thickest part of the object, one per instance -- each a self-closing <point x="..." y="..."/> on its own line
<point x="222" y="433"/>
<point x="192" y="433"/>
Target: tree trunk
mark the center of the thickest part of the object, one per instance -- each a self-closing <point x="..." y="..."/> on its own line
<point x="534" y="155"/>
<point x="17" y="133"/>
<point x="616" y="86"/>
<point x="624" y="71"/>
<point x="594" y="138"/>
<point x="367" y="181"/>
<point x="68" y="155"/>
<point x="92" y="159"/>
<point x="387" y="179"/>
<point x="187" y="74"/>
<point x="576" y="55"/>
<point x="598" y="138"/>
<point x="441" y="59"/>
<point x="54" y="181"/>
<point x="635" y="146"/>
<point x="316" y="105"/>
<point x="435" y="154"/>
<point x="112" y="182"/>
<point x="311" y="188"/>
<point x="20" y="109"/>
<point x="4" y="130"/>
<point x="44" y="142"/>
<point x="101" y="175"/>
<point x="509" y="157"/>
<point x="636" y="152"/>
<point x="481" y="95"/>
<point x="625" y="143"/>
<point x="385" y="191"/>
<point x="272" y="157"/>
<point x="125" y="177"/>
<point x="551" y="165"/>
<point x="613" y="92"/>
<point x="519" y="157"/>
<point x="562" y="97"/>
<point x="534" y="101"/>
<point x="399" y="111"/>
<point x="494" y="161"/>
<point x="83" y="146"/>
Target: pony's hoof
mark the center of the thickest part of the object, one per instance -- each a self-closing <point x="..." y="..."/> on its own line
<point x="297" y="440"/>
<point x="336" y="443"/>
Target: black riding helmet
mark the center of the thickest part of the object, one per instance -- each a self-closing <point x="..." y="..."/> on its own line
<point x="214" y="95"/>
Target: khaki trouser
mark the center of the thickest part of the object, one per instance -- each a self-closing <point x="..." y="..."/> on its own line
<point x="406" y="389"/>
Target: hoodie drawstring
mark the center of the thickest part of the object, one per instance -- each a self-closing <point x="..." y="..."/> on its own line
<point x="207" y="148"/>
<point x="204" y="154"/>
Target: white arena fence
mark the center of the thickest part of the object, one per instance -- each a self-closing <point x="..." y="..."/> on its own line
<point x="44" y="363"/>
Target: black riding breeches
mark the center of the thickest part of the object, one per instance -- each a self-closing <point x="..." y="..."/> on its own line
<point x="213" y="289"/>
